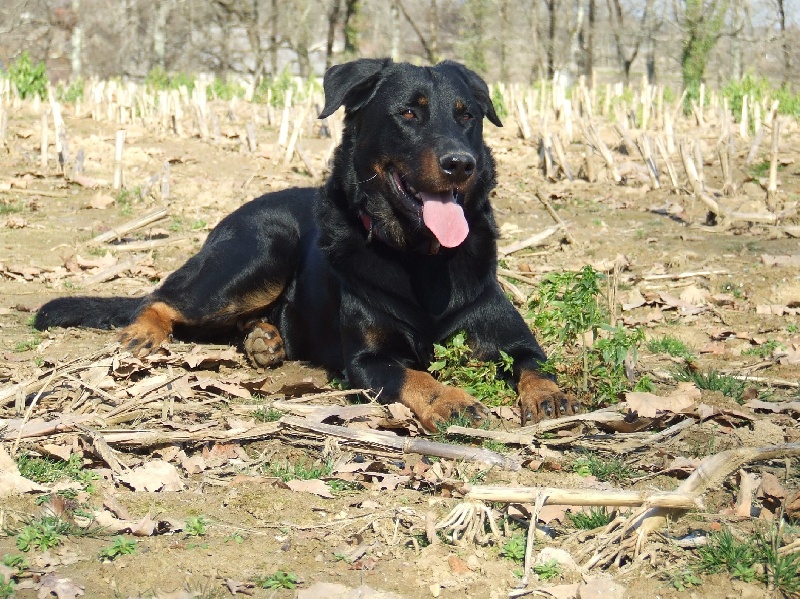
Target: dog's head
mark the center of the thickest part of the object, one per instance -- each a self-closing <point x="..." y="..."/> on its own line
<point x="413" y="147"/>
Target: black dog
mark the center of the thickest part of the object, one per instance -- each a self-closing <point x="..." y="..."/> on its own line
<point x="395" y="253"/>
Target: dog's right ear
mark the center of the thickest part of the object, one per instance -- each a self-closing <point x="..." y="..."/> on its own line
<point x="351" y="84"/>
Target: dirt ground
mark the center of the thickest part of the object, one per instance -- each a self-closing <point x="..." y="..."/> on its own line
<point x="369" y="532"/>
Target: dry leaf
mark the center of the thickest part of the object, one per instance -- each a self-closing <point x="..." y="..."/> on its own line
<point x="315" y="486"/>
<point x="771" y="492"/>
<point x="235" y="586"/>
<point x="793" y="261"/>
<point x="101" y="201"/>
<point x="63" y="588"/>
<point x="552" y="512"/>
<point x="152" y="477"/>
<point x="458" y="566"/>
<point x="648" y="405"/>
<point x="601" y="588"/>
<point x="563" y="591"/>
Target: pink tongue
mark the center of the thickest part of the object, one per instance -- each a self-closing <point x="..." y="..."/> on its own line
<point x="445" y="218"/>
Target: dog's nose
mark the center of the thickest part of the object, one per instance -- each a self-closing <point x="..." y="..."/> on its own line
<point x="458" y="167"/>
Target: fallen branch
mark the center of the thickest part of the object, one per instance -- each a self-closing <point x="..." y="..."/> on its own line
<point x="552" y="212"/>
<point x="616" y="498"/>
<point x="531" y="241"/>
<point x="386" y="440"/>
<point x="137" y="223"/>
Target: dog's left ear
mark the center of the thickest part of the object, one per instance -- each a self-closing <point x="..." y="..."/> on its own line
<point x="478" y="86"/>
<point x="351" y="84"/>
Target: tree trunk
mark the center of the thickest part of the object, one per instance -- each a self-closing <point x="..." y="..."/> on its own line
<point x="160" y="33"/>
<point x="652" y="77"/>
<point x="273" y="38"/>
<point x="551" y="38"/>
<point x="785" y="43"/>
<point x="333" y="20"/>
<point x="394" y="15"/>
<point x="351" y="27"/>
<point x="588" y="42"/>
<point x="76" y="41"/>
<point x="503" y="41"/>
<point x="433" y="35"/>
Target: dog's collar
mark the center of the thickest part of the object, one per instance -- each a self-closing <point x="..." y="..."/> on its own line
<point x="426" y="247"/>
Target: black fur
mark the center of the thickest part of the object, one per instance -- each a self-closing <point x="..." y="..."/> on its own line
<point x="366" y="287"/>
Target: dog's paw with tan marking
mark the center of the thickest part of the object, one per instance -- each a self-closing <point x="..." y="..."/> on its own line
<point x="433" y="402"/>
<point x="151" y="328"/>
<point x="142" y="338"/>
<point x="540" y="398"/>
<point x="263" y="345"/>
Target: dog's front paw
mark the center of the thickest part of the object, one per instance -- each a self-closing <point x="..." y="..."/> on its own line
<point x="450" y="403"/>
<point x="434" y="403"/>
<point x="540" y="398"/>
<point x="263" y="346"/>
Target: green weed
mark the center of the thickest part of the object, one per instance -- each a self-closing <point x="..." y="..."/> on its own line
<point x="587" y="353"/>
<point x="499" y="102"/>
<point x="712" y="380"/>
<point x="157" y="79"/>
<point x="30" y="79"/>
<point x="196" y="526"/>
<point x="72" y="93"/>
<point x="755" y="557"/>
<point x="514" y="549"/>
<point x="28" y="344"/>
<point x="548" y="570"/>
<point x="596" y="518"/>
<point x="495" y="446"/>
<point x="299" y="471"/>
<point x="10" y="207"/>
<point x="125" y="199"/>
<point x="609" y="469"/>
<point x="46" y="470"/>
<point x="119" y="546"/>
<point x="224" y="90"/>
<point x="763" y="351"/>
<point x="485" y="380"/>
<point x="683" y="579"/>
<point x="7" y="588"/>
<point x="267" y="415"/>
<point x="756" y="90"/>
<point x="42" y="534"/>
<point x="279" y="580"/>
<point x="725" y="552"/>
<point x="670" y="346"/>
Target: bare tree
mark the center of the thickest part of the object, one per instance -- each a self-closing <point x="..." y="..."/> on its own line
<point x="333" y="20"/>
<point x="628" y="40"/>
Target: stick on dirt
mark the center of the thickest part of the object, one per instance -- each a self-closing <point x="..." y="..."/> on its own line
<point x="118" y="158"/>
<point x="132" y="225"/>
<point x="552" y="212"/>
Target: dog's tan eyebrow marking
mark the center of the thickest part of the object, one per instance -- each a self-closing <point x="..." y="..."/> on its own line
<point x="422" y="101"/>
<point x="460" y="105"/>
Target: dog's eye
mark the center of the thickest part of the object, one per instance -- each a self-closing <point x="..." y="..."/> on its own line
<point x="465" y="117"/>
<point x="409" y="114"/>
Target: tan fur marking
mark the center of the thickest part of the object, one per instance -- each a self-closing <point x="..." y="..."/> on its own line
<point x="252" y="302"/>
<point x="422" y="101"/>
<point x="433" y="402"/>
<point x="151" y="328"/>
<point x="460" y="105"/>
